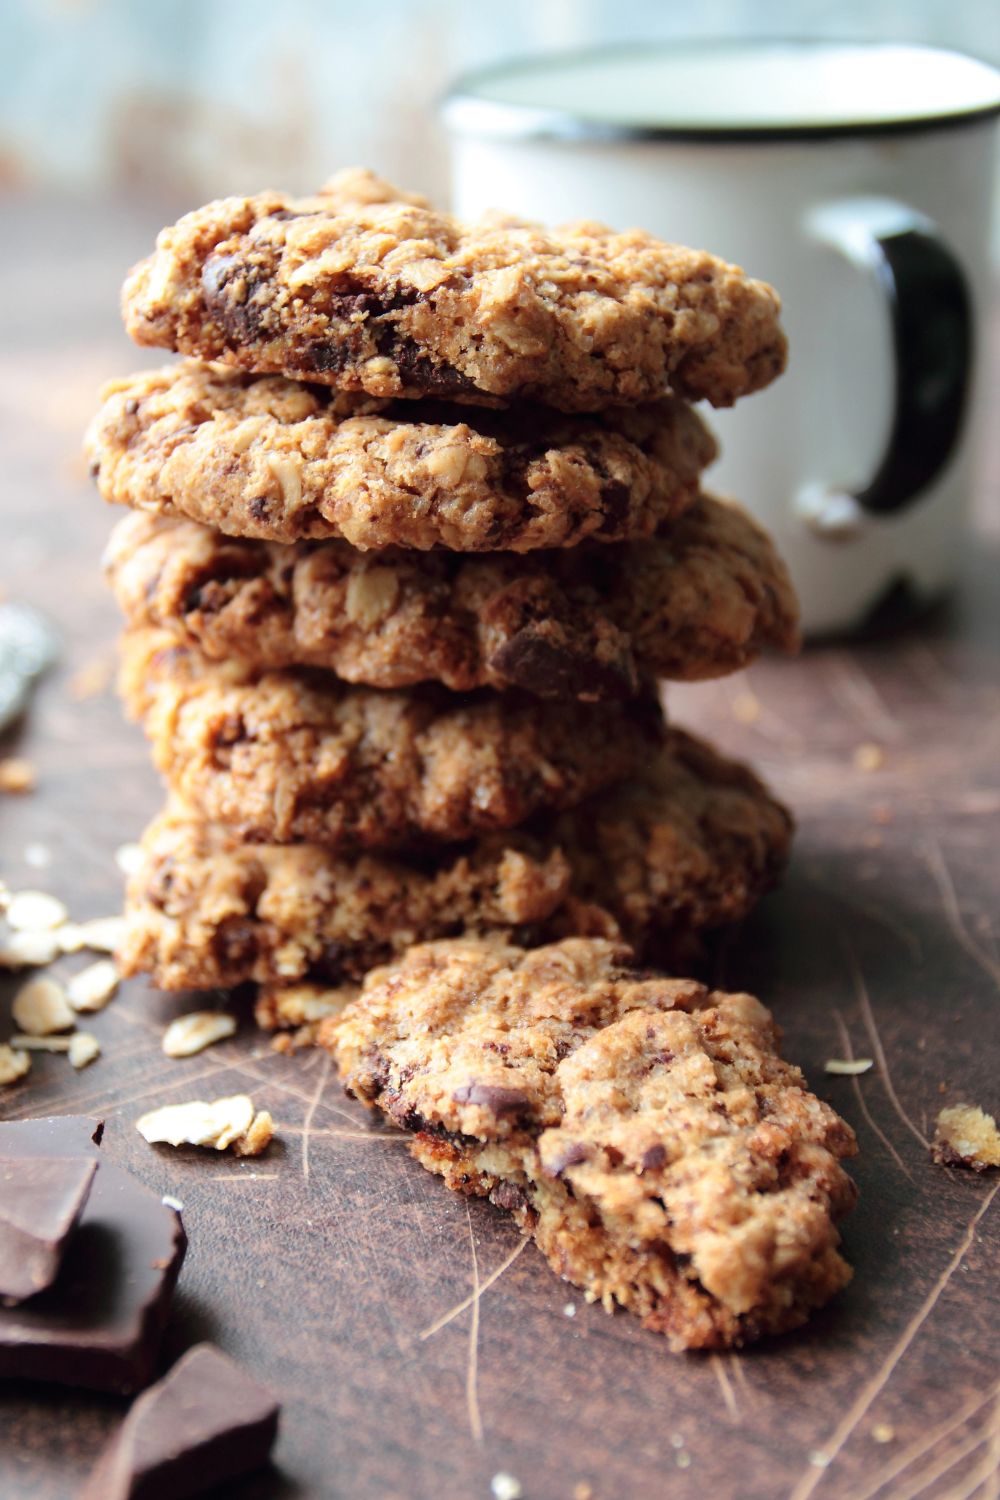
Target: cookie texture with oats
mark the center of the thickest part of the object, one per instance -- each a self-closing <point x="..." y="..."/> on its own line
<point x="365" y="289"/>
<point x="690" y="844"/>
<point x="283" y="461"/>
<point x="294" y="755"/>
<point x="643" y="1130"/>
<point x="703" y="599"/>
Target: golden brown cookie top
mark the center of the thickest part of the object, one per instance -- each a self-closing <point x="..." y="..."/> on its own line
<point x="366" y="289"/>
<point x="281" y="460"/>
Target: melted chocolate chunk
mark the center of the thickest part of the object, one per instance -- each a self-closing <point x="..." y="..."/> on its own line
<point x="205" y="1423"/>
<point x="497" y="1098"/>
<point x="41" y="1199"/>
<point x="529" y="661"/>
<point x="100" y="1322"/>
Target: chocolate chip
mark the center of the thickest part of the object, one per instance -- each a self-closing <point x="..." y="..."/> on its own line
<point x="205" y="1423"/>
<point x="548" y="669"/>
<point x="497" y="1098"/>
<point x="509" y="1196"/>
<point x="615" y="498"/>
<point x="570" y="1156"/>
<point x="653" y="1157"/>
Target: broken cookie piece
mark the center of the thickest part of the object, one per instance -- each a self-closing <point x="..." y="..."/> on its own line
<point x="644" y="1130"/>
<point x="205" y="1423"/>
<point x="966" y="1136"/>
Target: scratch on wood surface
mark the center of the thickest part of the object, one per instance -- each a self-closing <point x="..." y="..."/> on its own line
<point x="324" y="1074"/>
<point x="953" y="912"/>
<point x="460" y="1307"/>
<point x="911" y="940"/>
<point x="944" y="1465"/>
<point x="736" y="1366"/>
<point x="926" y="1443"/>
<point x="857" y="693"/>
<point x="472" y="1369"/>
<point x="848" y="1051"/>
<point x="870" y="1392"/>
<point x="726" y="1387"/>
<point x="868" y="1016"/>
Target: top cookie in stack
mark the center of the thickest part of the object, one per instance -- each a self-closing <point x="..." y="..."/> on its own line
<point x="426" y="459"/>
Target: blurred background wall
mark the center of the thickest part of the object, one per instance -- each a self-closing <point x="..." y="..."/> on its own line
<point x="190" y="99"/>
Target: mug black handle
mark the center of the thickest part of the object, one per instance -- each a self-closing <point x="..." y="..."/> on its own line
<point x="930" y="311"/>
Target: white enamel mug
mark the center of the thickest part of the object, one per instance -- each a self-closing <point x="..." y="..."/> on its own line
<point x="857" y="178"/>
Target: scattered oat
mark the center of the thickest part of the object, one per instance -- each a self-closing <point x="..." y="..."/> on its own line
<point x="966" y="1136"/>
<point x="102" y="934"/>
<point x="41" y="1043"/>
<point x="849" y="1067"/>
<point x="38" y="856"/>
<point x="194" y="1032"/>
<point x="84" y="1049"/>
<point x="94" y="986"/>
<point x="506" y="1487"/>
<point x="34" y="911"/>
<point x="746" y="708"/>
<point x="28" y="950"/>
<point x="16" y="775"/>
<point x="869" y="757"/>
<point x="14" y="1063"/>
<point x="40" y="1007"/>
<point x="257" y="1138"/>
<point x="219" y="1124"/>
<point x="883" y="1432"/>
<point x="92" y="678"/>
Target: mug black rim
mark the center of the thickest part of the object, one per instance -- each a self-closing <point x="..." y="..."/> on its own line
<point x="466" y="113"/>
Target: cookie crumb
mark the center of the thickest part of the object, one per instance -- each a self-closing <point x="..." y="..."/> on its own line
<point x="869" y="757"/>
<point x="883" y="1432"/>
<point x="819" y="1459"/>
<point x="746" y="708"/>
<point x="683" y="1459"/>
<point x="92" y="679"/>
<point x="569" y="1310"/>
<point x="849" y="1067"/>
<point x="506" y="1487"/>
<point x="257" y="1138"/>
<point x="17" y="775"/>
<point x="966" y="1136"/>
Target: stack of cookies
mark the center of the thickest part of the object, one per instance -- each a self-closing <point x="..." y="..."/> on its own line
<point x="417" y="525"/>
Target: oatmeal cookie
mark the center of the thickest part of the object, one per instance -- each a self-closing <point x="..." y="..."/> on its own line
<point x="643" y="1130"/>
<point x="282" y="461"/>
<point x="702" y="600"/>
<point x="692" y="845"/>
<point x="368" y="291"/>
<point x="294" y="756"/>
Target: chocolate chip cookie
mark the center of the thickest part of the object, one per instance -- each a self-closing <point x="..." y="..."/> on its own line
<point x="702" y="600"/>
<point x="691" y="844"/>
<point x="280" y="460"/>
<point x="292" y="756"/>
<point x="643" y="1130"/>
<point x="363" y="289"/>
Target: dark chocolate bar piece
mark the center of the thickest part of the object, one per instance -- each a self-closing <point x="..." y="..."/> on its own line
<point x="206" y="1422"/>
<point x="41" y="1199"/>
<point x="100" y="1322"/>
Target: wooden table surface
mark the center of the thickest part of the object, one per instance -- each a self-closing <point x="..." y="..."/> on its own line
<point x="339" y="1270"/>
